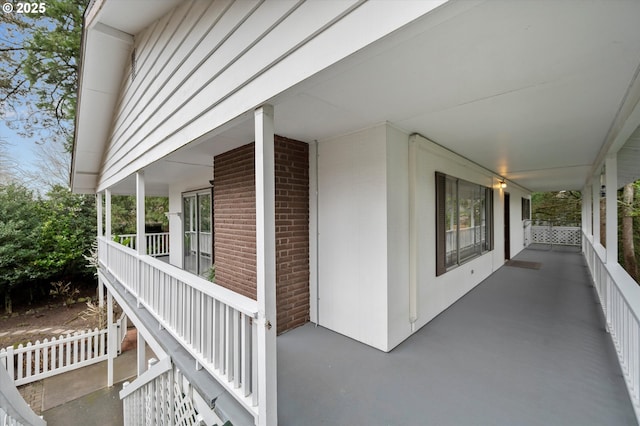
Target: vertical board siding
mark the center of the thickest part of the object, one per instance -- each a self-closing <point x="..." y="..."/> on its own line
<point x="199" y="55"/>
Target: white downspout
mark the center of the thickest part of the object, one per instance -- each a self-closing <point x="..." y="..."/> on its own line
<point x="413" y="237"/>
<point x="314" y="226"/>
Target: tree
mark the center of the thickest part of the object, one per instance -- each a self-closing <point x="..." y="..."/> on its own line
<point x="123" y="213"/>
<point x="54" y="163"/>
<point x="39" y="57"/>
<point x="68" y="224"/>
<point x="7" y="166"/>
<point x="19" y="228"/>
<point x="629" y="210"/>
<point x="563" y="208"/>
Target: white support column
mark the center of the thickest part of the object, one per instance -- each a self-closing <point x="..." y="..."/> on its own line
<point x="596" y="209"/>
<point x="587" y="210"/>
<point x="100" y="233"/>
<point x="141" y="239"/>
<point x="107" y="213"/>
<point x="611" y="206"/>
<point x="142" y="354"/>
<point x="266" y="266"/>
<point x="111" y="338"/>
<point x="99" y="214"/>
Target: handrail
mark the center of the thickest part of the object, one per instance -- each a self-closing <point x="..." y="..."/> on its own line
<point x="152" y="373"/>
<point x="217" y="326"/>
<point x="12" y="403"/>
<point x="619" y="297"/>
<point x="239" y="302"/>
<point x="629" y="289"/>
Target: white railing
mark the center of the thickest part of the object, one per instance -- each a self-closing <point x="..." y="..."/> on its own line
<point x="204" y="239"/>
<point x="13" y="408"/>
<point x="470" y="237"/>
<point x="619" y="298"/>
<point x="556" y="235"/>
<point x="157" y="244"/>
<point x="155" y="397"/>
<point x="216" y="325"/>
<point x="31" y="362"/>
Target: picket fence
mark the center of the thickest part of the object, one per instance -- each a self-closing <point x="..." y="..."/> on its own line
<point x="36" y="361"/>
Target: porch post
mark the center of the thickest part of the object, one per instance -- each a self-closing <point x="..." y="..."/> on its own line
<point x="587" y="210"/>
<point x="110" y="339"/>
<point x="99" y="213"/>
<point x="99" y="216"/>
<point x="141" y="239"/>
<point x="266" y="266"/>
<point x="107" y="212"/>
<point x="142" y="355"/>
<point x="611" y="206"/>
<point x="595" y="200"/>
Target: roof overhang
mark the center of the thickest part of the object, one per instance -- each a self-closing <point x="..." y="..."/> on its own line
<point x="108" y="36"/>
<point x="538" y="92"/>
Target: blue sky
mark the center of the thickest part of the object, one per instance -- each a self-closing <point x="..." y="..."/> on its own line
<point x="20" y="149"/>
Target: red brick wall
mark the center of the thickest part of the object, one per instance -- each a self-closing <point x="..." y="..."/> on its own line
<point x="292" y="232"/>
<point x="234" y="220"/>
<point x="234" y="225"/>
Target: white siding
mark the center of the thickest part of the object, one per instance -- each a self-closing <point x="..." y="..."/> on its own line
<point x="397" y="236"/>
<point x="206" y="63"/>
<point x="364" y="243"/>
<point x="353" y="236"/>
<point x="435" y="294"/>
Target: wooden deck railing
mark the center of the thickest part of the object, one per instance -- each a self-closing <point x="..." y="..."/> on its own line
<point x="157" y="243"/>
<point x="619" y="298"/>
<point x="216" y="325"/>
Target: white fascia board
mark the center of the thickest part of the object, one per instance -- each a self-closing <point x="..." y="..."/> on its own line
<point x="104" y="51"/>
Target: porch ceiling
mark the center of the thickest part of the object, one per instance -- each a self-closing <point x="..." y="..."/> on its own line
<point x="533" y="90"/>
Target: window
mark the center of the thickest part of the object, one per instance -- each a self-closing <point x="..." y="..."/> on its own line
<point x="464" y="218"/>
<point x="198" y="232"/>
<point x="526" y="208"/>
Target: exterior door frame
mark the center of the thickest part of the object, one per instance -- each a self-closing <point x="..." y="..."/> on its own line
<point x="507" y="226"/>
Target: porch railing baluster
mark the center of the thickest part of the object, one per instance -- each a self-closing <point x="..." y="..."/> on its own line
<point x="216" y="325"/>
<point x="619" y="297"/>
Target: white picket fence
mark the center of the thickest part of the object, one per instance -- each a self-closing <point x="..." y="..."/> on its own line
<point x="35" y="361"/>
<point x="157" y="243"/>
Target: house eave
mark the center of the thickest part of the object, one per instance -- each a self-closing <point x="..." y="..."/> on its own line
<point x="107" y="40"/>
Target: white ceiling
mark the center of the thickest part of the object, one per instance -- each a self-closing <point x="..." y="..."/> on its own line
<point x="528" y="89"/>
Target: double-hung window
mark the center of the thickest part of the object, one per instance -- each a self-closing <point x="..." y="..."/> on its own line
<point x="464" y="218"/>
<point x="198" y="232"/>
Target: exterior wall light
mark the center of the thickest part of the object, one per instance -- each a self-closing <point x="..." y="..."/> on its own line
<point x="503" y="184"/>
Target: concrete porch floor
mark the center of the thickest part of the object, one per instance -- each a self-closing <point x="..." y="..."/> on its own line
<point x="525" y="347"/>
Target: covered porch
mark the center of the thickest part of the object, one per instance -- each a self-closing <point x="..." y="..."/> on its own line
<point x="527" y="346"/>
<point x="497" y="100"/>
